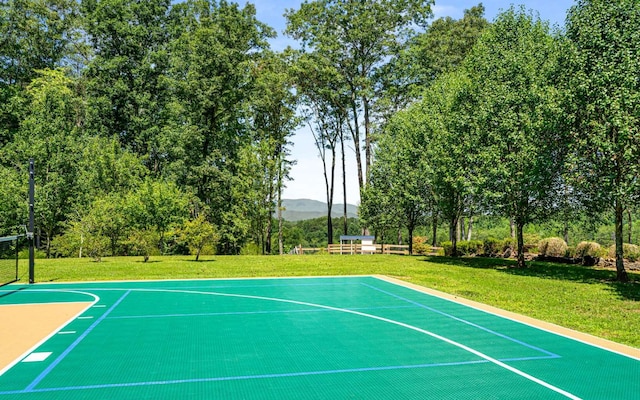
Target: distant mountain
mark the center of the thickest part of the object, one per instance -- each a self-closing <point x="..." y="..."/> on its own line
<point x="301" y="209"/>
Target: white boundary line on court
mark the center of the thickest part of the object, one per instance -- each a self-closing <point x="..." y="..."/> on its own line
<point x="568" y="333"/>
<point x="41" y="342"/>
<point x="585" y="338"/>
<point x="390" y="321"/>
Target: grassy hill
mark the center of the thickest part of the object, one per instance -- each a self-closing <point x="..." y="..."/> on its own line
<point x="302" y="209"/>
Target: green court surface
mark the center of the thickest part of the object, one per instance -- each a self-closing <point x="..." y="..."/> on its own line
<point x="311" y="338"/>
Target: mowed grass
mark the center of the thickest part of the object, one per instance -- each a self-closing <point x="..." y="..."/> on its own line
<point x="585" y="299"/>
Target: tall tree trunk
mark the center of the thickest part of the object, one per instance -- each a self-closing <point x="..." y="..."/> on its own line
<point x="453" y="235"/>
<point x="469" y="228"/>
<point x="280" y="221"/>
<point x="621" y="273"/>
<point x="512" y="228"/>
<point x="410" y="228"/>
<point x="629" y="230"/>
<point x="434" y="230"/>
<point x="463" y="231"/>
<point x="356" y="144"/>
<point x="519" y="229"/>
<point x="565" y="231"/>
<point x="330" y="187"/>
<point x="367" y="136"/>
<point x="345" y="222"/>
<point x="269" y="221"/>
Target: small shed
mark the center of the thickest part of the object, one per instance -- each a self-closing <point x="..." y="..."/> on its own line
<point x="357" y="244"/>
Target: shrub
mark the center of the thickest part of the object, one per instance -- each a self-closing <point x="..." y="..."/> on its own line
<point x="144" y="242"/>
<point x="531" y="241"/>
<point x="631" y="252"/>
<point x="589" y="253"/>
<point x="448" y="248"/>
<point x="552" y="247"/>
<point x="508" y="243"/>
<point x="590" y="249"/>
<point x="492" y="247"/>
<point x="470" y="247"/>
<point x="420" y="245"/>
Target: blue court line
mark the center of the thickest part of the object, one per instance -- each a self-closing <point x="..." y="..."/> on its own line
<point x="532" y="347"/>
<point x="263" y="376"/>
<point x="214" y="314"/>
<point x="73" y="345"/>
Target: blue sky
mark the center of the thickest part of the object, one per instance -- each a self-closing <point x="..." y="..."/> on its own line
<point x="308" y="181"/>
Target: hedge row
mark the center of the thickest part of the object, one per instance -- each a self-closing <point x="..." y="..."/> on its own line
<point x="586" y="253"/>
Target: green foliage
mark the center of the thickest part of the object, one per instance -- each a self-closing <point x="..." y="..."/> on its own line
<point x="492" y="247"/>
<point x="517" y="116"/>
<point x="144" y="242"/>
<point x="552" y="247"/>
<point x="589" y="249"/>
<point x="198" y="233"/>
<point x="447" y="248"/>
<point x="470" y="247"/>
<point x="156" y="206"/>
<point x="444" y="46"/>
<point x="602" y="64"/>
<point x="631" y="252"/>
<point x="82" y="238"/>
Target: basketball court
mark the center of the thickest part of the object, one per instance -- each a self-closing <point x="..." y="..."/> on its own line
<point x="297" y="338"/>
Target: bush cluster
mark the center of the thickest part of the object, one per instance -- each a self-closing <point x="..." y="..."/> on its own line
<point x="552" y="247"/>
<point x="588" y="249"/>
<point x="493" y="247"/>
<point x="465" y="248"/>
<point x="631" y="252"/>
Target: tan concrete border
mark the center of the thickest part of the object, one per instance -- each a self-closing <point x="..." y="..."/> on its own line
<point x="25" y="326"/>
<point x="622" y="349"/>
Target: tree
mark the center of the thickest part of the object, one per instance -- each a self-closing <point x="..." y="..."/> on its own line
<point x="602" y="69"/>
<point x="450" y="147"/>
<point x="357" y="38"/>
<point x="442" y="48"/>
<point x="13" y="195"/>
<point x="323" y="104"/>
<point x="36" y="35"/>
<point x="143" y="242"/>
<point x="400" y="176"/>
<point x="273" y="119"/>
<point x="126" y="94"/>
<point x="197" y="233"/>
<point x="517" y="115"/>
<point x="214" y="47"/>
<point x="51" y="133"/>
<point x="155" y="207"/>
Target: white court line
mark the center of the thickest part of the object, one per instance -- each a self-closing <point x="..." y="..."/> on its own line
<point x="37" y="357"/>
<point x="390" y="321"/>
<point x="572" y="334"/>
<point x="66" y="333"/>
<point x="26" y="353"/>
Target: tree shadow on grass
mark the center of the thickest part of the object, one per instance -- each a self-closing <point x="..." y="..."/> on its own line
<point x="548" y="270"/>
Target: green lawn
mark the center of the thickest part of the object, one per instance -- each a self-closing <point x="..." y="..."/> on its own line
<point x="585" y="299"/>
